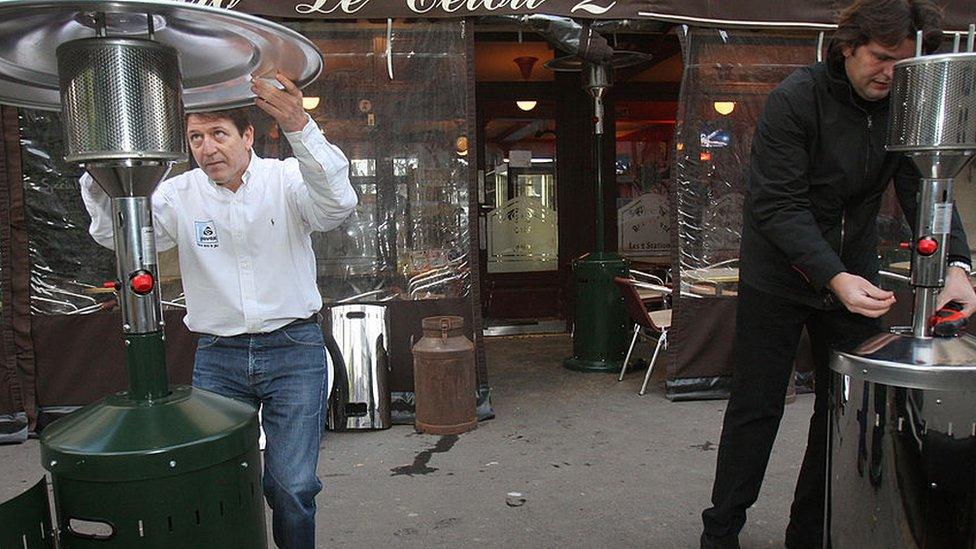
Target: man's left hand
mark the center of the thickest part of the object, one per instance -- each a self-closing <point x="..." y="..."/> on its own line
<point x="958" y="288"/>
<point x="285" y="106"/>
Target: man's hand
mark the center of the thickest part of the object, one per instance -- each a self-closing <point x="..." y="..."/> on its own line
<point x="285" y="106"/>
<point x="958" y="288"/>
<point x="860" y="296"/>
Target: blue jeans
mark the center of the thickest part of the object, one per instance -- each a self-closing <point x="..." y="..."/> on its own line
<point x="285" y="371"/>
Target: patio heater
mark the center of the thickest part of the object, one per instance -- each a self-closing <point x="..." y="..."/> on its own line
<point x="155" y="465"/>
<point x="903" y="405"/>
<point x="600" y="328"/>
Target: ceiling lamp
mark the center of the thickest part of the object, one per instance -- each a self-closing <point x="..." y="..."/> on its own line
<point x="309" y="103"/>
<point x="724" y="108"/>
<point x="525" y="65"/>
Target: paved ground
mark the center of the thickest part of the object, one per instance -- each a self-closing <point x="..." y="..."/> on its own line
<point x="597" y="466"/>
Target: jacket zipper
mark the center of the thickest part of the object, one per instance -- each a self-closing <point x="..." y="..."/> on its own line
<point x="843" y="222"/>
<point x="867" y="167"/>
<point x="867" y="156"/>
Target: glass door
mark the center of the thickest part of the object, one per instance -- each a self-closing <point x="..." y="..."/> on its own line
<point x="523" y="233"/>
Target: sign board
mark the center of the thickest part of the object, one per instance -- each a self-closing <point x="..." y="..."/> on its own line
<point x="643" y="227"/>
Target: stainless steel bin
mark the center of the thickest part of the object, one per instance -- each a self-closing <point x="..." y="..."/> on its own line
<point x="360" y="397"/>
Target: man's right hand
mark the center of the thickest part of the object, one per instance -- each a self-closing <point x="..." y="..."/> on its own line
<point x="860" y="296"/>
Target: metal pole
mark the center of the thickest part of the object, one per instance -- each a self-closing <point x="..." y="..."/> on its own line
<point x="598" y="80"/>
<point x="598" y="147"/>
<point x="139" y="297"/>
<point x="930" y="249"/>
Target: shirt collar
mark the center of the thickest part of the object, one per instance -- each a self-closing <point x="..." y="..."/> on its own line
<point x="251" y="167"/>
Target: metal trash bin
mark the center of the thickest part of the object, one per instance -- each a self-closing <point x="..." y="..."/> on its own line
<point x="360" y="397"/>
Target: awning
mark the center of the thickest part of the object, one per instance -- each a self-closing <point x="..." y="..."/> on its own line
<point x="801" y="14"/>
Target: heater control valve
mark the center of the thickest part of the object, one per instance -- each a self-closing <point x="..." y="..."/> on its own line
<point x="142" y="282"/>
<point x="925" y="246"/>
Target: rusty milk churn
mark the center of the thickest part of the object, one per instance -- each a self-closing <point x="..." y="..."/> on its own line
<point x="444" y="378"/>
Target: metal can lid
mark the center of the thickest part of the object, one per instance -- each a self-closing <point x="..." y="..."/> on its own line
<point x="442" y="324"/>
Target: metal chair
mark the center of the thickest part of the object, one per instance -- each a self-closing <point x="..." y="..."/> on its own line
<point x="647" y="278"/>
<point x="711" y="280"/>
<point x="646" y="323"/>
<point x="731" y="263"/>
<point x="652" y="282"/>
<point x="439" y="276"/>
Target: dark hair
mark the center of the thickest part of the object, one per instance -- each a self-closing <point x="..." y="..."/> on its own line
<point x="888" y="22"/>
<point x="241" y="117"/>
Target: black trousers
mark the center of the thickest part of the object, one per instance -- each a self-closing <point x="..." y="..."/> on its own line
<point x="767" y="334"/>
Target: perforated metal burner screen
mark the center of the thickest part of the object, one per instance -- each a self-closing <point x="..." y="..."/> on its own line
<point x="122" y="99"/>
<point x="933" y="104"/>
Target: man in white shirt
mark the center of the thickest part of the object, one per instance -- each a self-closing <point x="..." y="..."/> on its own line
<point x="243" y="226"/>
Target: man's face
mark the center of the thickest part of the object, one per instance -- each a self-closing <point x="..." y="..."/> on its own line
<point x="219" y="149"/>
<point x="869" y="67"/>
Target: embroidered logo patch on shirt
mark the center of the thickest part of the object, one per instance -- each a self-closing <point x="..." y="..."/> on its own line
<point x="206" y="234"/>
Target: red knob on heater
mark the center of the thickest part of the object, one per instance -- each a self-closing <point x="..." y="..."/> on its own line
<point x="926" y="246"/>
<point x="142" y="283"/>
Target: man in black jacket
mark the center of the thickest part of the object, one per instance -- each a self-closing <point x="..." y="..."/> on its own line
<point x="808" y="257"/>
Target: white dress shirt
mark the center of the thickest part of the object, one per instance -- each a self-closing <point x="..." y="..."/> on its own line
<point x="246" y="257"/>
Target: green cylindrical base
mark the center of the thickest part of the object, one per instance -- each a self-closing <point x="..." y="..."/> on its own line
<point x="600" y="334"/>
<point x="183" y="471"/>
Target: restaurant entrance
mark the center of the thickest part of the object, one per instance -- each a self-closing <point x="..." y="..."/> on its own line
<point x="519" y="217"/>
<point x="536" y="187"/>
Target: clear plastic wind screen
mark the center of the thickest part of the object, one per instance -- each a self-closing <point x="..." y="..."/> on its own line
<point x="66" y="264"/>
<point x="406" y="139"/>
<point x="727" y="76"/>
<point x="408" y="238"/>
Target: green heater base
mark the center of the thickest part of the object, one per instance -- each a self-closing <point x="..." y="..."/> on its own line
<point x="181" y="471"/>
<point x="601" y="321"/>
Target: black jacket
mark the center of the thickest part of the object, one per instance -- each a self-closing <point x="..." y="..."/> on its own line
<point x="817" y="173"/>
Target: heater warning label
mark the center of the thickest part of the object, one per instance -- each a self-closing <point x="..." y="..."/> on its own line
<point x="148" y="243"/>
<point x="206" y="234"/>
<point x="942" y="218"/>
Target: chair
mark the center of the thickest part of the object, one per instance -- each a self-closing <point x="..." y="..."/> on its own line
<point x="728" y="263"/>
<point x="439" y="276"/>
<point x="712" y="280"/>
<point x="646" y="324"/>
<point x="651" y="289"/>
<point x="648" y="278"/>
